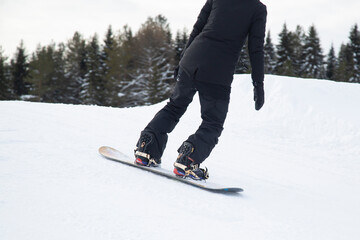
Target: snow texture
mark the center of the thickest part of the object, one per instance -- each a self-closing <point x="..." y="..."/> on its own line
<point x="298" y="160"/>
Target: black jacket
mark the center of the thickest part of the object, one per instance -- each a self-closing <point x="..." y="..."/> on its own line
<point x="218" y="36"/>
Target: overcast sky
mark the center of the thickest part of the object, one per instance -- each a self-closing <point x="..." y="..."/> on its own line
<point x="43" y="21"/>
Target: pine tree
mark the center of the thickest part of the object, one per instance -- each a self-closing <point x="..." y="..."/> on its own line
<point x="331" y="64"/>
<point x="121" y="67"/>
<point x="75" y="67"/>
<point x="355" y="49"/>
<point x="110" y="64"/>
<point x="285" y="54"/>
<point x="345" y="67"/>
<point x="108" y="53"/>
<point x="164" y="25"/>
<point x="46" y="75"/>
<point x="269" y="55"/>
<point x="313" y="58"/>
<point x="94" y="86"/>
<point x="59" y="82"/>
<point x="108" y="47"/>
<point x="20" y="70"/>
<point x="297" y="39"/>
<point x="41" y="67"/>
<point x="154" y="56"/>
<point x="109" y="41"/>
<point x="5" y="80"/>
<point x="180" y="42"/>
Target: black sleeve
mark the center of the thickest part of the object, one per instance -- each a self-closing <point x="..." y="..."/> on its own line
<point x="256" y="44"/>
<point x="200" y="23"/>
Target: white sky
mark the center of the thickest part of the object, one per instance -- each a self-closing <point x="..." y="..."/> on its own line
<point x="43" y="21"/>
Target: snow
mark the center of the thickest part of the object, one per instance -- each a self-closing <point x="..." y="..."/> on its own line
<point x="298" y="160"/>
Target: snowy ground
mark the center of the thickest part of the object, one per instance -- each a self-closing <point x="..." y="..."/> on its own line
<point x="298" y="160"/>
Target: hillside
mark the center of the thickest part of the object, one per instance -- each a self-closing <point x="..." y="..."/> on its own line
<point x="298" y="160"/>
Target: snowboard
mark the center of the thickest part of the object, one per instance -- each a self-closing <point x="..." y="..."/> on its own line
<point x="115" y="155"/>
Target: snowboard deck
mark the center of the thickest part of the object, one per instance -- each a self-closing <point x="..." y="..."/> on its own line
<point x="115" y="155"/>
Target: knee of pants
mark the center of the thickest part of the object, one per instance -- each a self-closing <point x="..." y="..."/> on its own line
<point x="182" y="95"/>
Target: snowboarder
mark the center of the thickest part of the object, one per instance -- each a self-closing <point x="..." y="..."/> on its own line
<point x="207" y="66"/>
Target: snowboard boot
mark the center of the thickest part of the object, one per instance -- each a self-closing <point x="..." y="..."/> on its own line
<point x="142" y="151"/>
<point x="185" y="166"/>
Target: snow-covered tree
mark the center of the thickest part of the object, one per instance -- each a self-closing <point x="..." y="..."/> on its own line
<point x="106" y="57"/>
<point x="313" y="59"/>
<point x="297" y="42"/>
<point x="285" y="54"/>
<point x="111" y="68"/>
<point x="269" y="55"/>
<point x="94" y="87"/>
<point x="120" y="68"/>
<point x="75" y="68"/>
<point x="60" y="81"/>
<point x="331" y="64"/>
<point x="154" y="63"/>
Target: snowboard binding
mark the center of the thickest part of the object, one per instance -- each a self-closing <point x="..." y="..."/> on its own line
<point x="185" y="166"/>
<point x="142" y="151"/>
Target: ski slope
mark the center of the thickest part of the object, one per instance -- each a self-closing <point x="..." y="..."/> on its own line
<point x="298" y="160"/>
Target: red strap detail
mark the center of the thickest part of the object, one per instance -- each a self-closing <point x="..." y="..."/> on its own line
<point x="177" y="172"/>
<point x="138" y="160"/>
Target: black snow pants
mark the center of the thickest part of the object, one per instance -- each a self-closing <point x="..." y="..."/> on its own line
<point x="214" y="101"/>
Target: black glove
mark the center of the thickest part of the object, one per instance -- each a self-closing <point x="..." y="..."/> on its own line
<point x="176" y="72"/>
<point x="258" y="95"/>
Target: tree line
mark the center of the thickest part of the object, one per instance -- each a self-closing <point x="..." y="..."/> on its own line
<point x="126" y="69"/>
<point x="300" y="54"/>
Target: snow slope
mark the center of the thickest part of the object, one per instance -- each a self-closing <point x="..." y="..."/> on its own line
<point x="298" y="160"/>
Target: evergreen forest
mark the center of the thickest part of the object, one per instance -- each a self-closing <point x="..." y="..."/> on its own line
<point x="126" y="69"/>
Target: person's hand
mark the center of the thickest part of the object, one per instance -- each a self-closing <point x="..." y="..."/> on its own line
<point x="259" y="95"/>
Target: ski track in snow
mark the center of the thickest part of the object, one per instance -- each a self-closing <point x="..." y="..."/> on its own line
<point x="298" y="160"/>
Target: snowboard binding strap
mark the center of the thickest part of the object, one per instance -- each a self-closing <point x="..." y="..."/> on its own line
<point x="191" y="172"/>
<point x="151" y="161"/>
<point x="145" y="155"/>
